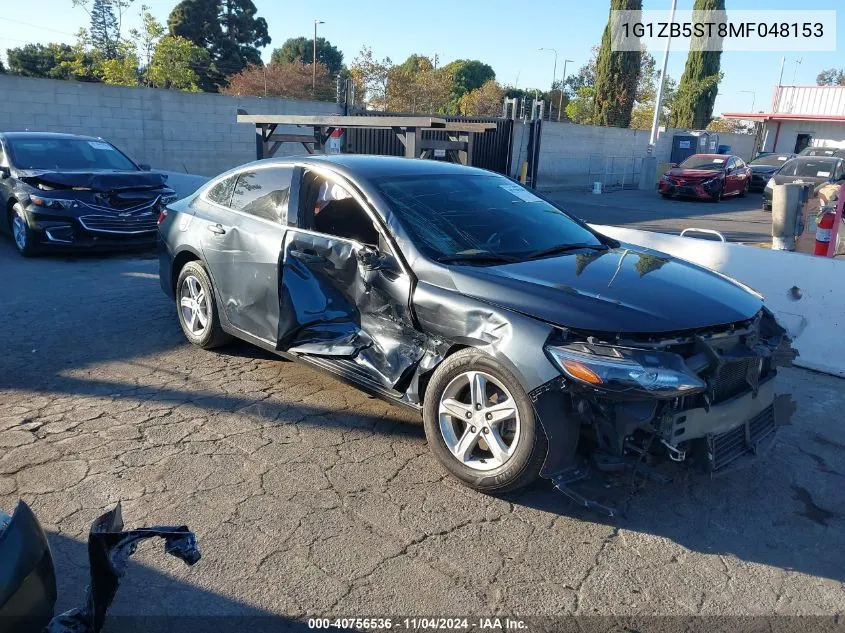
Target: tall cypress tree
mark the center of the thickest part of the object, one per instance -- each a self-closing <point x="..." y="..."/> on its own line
<point x="700" y="82"/>
<point x="104" y="31"/>
<point x="617" y="74"/>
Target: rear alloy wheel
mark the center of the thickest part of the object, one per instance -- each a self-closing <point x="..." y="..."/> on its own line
<point x="197" y="308"/>
<point x="480" y="424"/>
<point x="21" y="233"/>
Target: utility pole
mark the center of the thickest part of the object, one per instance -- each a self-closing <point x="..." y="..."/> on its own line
<point x="562" y="83"/>
<point x="658" y="102"/>
<point x="314" y="61"/>
<point x="554" y="75"/>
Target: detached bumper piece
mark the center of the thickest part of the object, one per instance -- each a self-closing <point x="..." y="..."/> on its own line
<point x="751" y="437"/>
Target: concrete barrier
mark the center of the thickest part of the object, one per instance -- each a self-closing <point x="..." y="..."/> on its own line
<point x="807" y="294"/>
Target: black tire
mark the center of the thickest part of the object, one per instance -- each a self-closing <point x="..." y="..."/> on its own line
<point x="744" y="191"/>
<point x="524" y="464"/>
<point x="666" y="196"/>
<point x="29" y="248"/>
<point x="212" y="335"/>
<point x="767" y="207"/>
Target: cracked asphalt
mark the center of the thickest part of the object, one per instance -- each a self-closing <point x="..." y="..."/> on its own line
<point x="311" y="498"/>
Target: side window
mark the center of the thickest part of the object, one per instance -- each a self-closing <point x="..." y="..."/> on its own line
<point x="327" y="207"/>
<point x="221" y="193"/>
<point x="264" y="193"/>
<point x="740" y="163"/>
<point x="731" y="164"/>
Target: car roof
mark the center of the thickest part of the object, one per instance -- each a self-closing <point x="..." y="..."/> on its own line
<point x="713" y="155"/>
<point x="48" y="135"/>
<point x="815" y="159"/>
<point x="369" y="166"/>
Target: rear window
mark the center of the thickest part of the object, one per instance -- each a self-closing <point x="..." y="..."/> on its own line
<point x="263" y="193"/>
<point x="812" y="168"/>
<point x="775" y="160"/>
<point x="221" y="193"/>
<point x="705" y="162"/>
<point x="66" y="154"/>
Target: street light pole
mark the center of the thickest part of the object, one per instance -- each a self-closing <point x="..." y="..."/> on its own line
<point x="314" y="60"/>
<point x="658" y="102"/>
<point x="562" y="83"/>
<point x="554" y="75"/>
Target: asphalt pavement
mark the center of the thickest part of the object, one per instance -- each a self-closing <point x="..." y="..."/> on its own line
<point x="738" y="219"/>
<point x="310" y="498"/>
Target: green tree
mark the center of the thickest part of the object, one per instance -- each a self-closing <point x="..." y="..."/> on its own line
<point x="700" y="81"/>
<point x="123" y="69"/>
<point x="103" y="30"/>
<point x="369" y="77"/>
<point x="146" y="38"/>
<point x="175" y="62"/>
<point x="2" y="68"/>
<point x="227" y="29"/>
<point x="38" y="60"/>
<point x="483" y="101"/>
<point x="581" y="107"/>
<point x="617" y="74"/>
<point x="586" y="75"/>
<point x="831" y="77"/>
<point x="303" y="49"/>
<point x="467" y="75"/>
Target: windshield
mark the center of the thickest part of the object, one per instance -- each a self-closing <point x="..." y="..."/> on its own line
<point x="812" y="168"/>
<point x="449" y="215"/>
<point x="703" y="161"/>
<point x="775" y="160"/>
<point x="66" y="154"/>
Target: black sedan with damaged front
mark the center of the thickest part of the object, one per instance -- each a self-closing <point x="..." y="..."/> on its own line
<point x="520" y="333"/>
<point x="61" y="191"/>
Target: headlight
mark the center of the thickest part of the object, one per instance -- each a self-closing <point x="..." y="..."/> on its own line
<point x="167" y="198"/>
<point x="710" y="182"/>
<point x="643" y="372"/>
<point x="52" y="203"/>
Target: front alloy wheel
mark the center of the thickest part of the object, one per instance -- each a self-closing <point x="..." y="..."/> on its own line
<point x="480" y="423"/>
<point x="21" y="233"/>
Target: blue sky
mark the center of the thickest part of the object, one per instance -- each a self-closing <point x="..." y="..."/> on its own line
<point x="504" y="34"/>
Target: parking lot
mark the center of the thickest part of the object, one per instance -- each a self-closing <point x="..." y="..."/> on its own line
<point x="738" y="219"/>
<point x="310" y="498"/>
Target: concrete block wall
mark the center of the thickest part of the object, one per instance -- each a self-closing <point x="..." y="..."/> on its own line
<point x="169" y="129"/>
<point x="577" y="155"/>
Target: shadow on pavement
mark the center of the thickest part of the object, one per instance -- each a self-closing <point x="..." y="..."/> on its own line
<point x="149" y="601"/>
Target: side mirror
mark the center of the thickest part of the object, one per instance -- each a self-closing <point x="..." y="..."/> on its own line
<point x="373" y="260"/>
<point x="144" y="167"/>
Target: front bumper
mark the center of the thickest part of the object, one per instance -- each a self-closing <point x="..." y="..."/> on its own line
<point x="688" y="190"/>
<point x="92" y="229"/>
<point x="730" y="429"/>
<point x="758" y="181"/>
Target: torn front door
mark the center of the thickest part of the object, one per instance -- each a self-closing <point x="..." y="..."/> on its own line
<point x="338" y="299"/>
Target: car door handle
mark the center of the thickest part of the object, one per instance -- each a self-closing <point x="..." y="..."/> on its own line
<point x="308" y="258"/>
<point x="216" y="229"/>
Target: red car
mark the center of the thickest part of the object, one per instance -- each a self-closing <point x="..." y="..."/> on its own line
<point x="707" y="177"/>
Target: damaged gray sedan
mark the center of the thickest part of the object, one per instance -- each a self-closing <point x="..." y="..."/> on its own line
<point x="523" y="336"/>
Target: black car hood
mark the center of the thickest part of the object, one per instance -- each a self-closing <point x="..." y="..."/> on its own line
<point x="621" y="290"/>
<point x="94" y="180"/>
<point x="764" y="169"/>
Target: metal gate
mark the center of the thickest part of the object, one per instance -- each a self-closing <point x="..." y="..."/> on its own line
<point x="491" y="150"/>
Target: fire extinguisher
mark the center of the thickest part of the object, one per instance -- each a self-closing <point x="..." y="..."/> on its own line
<point x="823" y="233"/>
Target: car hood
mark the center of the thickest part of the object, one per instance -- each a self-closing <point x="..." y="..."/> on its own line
<point x="764" y="169"/>
<point x="98" y="180"/>
<point x="693" y="175"/>
<point x="813" y="180"/>
<point x="621" y="290"/>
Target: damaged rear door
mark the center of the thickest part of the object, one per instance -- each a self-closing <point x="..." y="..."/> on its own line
<point x="243" y="245"/>
<point x="344" y="297"/>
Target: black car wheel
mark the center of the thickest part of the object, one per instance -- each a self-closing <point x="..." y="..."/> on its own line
<point x="480" y="424"/>
<point x="197" y="307"/>
<point x="666" y="196"/>
<point x="22" y="235"/>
